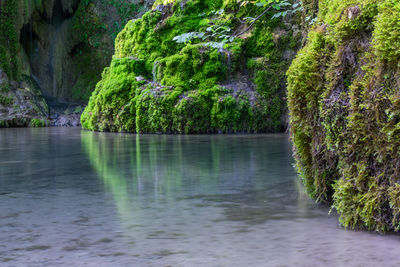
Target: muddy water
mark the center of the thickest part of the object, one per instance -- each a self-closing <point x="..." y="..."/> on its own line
<point x="76" y="198"/>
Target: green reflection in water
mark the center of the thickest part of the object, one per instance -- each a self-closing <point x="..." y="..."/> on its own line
<point x="102" y="159"/>
<point x="139" y="170"/>
<point x="153" y="171"/>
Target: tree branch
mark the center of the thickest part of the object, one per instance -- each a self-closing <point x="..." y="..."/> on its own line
<point x="254" y="21"/>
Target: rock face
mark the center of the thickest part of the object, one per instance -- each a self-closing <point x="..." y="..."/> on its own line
<point x="344" y="102"/>
<point x="63" y="46"/>
<point x="69" y="45"/>
<point x="158" y="85"/>
<point x="21" y="104"/>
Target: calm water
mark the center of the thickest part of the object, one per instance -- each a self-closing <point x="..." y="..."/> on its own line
<point x="77" y="198"/>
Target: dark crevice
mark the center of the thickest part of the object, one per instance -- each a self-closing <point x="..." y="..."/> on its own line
<point x="27" y="38"/>
<point x="59" y="16"/>
<point x="77" y="49"/>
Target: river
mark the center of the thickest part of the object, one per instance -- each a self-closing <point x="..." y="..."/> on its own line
<point x="70" y="197"/>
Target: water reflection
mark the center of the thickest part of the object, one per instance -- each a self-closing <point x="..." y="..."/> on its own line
<point x="243" y="175"/>
<point x="77" y="198"/>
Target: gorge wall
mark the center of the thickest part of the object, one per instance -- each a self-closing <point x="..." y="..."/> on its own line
<point x="59" y="46"/>
<point x="64" y="45"/>
<point x="344" y="102"/>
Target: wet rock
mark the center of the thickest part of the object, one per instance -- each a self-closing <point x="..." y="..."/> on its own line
<point x="3" y="76"/>
<point x="140" y="78"/>
<point x="21" y="104"/>
<point x="70" y="120"/>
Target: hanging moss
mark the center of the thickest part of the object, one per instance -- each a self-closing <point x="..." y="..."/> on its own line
<point x="387" y="31"/>
<point x="344" y="105"/>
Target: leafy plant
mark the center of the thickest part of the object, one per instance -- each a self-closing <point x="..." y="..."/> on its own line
<point x="217" y="36"/>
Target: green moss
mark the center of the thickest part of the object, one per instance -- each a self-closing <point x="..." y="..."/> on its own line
<point x="179" y="88"/>
<point x="344" y="107"/>
<point x="88" y="25"/>
<point x="387" y="31"/>
<point x="83" y="87"/>
<point x="232" y="114"/>
<point x="153" y="110"/>
<point x="37" y="123"/>
<point x="310" y="8"/>
<point x="9" y="39"/>
<point x="109" y="105"/>
<point x="96" y="26"/>
<point x="5" y="60"/>
<point x="4" y="87"/>
<point x="191" y="113"/>
<point x="264" y="51"/>
<point x="194" y="67"/>
<point x="5" y="100"/>
<point x="305" y="85"/>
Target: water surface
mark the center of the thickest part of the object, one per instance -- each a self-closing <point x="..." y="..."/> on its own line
<point x="76" y="198"/>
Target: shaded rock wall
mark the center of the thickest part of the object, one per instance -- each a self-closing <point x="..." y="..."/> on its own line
<point x="60" y="46"/>
<point x="63" y="45"/>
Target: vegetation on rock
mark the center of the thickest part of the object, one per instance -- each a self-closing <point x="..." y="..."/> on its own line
<point x="65" y="45"/>
<point x="61" y="47"/>
<point x="343" y="97"/>
<point x="21" y="104"/>
<point x="162" y="81"/>
<point x="9" y="38"/>
<point x="97" y="23"/>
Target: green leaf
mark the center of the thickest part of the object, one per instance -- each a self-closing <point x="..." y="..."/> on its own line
<point x="276" y="6"/>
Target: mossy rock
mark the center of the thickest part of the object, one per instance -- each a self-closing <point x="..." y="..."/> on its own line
<point x="156" y="85"/>
<point x="38" y="123"/>
<point x="345" y="110"/>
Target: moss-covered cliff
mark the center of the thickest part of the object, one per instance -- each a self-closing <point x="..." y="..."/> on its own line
<point x="344" y="102"/>
<point x="60" y="47"/>
<point x="64" y="45"/>
<point x="157" y="85"/>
